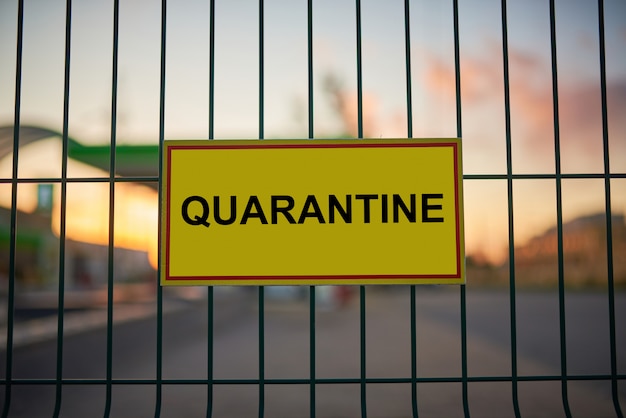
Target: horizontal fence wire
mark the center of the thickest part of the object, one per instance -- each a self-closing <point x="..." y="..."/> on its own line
<point x="468" y="176"/>
<point x="319" y="381"/>
<point x="413" y="378"/>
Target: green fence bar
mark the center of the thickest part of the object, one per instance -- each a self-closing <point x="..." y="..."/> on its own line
<point x="509" y="170"/>
<point x="312" y="298"/>
<point x="210" y="292"/>
<point x="608" y="211"/>
<point x="112" y="171"/>
<point x="407" y="60"/>
<point x="362" y="351"/>
<point x="359" y="71"/>
<point x="322" y="381"/>
<point x="13" y="221"/>
<point x="409" y="118"/>
<point x="211" y="69"/>
<point x="261" y="288"/>
<point x="559" y="210"/>
<point x="261" y="381"/>
<point x="210" y="342"/>
<point x="459" y="133"/>
<point x="158" y="383"/>
<point x="63" y="214"/>
<point x="413" y="325"/>
<point x="309" y="42"/>
<point x="362" y="291"/>
<point x="261" y="70"/>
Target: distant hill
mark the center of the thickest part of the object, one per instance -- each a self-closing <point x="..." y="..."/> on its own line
<point x="584" y="256"/>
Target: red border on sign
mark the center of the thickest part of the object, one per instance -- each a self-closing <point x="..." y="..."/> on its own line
<point x="296" y="278"/>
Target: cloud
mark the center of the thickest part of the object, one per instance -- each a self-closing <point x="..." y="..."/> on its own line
<point x="532" y="108"/>
<point x="344" y="102"/>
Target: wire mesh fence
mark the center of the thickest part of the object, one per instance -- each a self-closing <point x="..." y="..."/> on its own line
<point x="568" y="280"/>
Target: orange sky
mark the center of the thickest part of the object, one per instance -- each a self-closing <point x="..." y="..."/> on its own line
<point x="136" y="209"/>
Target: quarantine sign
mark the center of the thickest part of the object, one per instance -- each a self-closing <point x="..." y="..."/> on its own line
<point x="311" y="212"/>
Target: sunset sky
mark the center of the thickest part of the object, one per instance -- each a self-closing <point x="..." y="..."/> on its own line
<point x="286" y="101"/>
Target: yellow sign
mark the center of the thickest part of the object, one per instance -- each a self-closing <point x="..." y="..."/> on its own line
<point x="312" y="212"/>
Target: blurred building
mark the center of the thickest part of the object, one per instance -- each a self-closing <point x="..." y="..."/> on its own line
<point x="585" y="258"/>
<point x="37" y="242"/>
<point x="37" y="257"/>
<point x="584" y="253"/>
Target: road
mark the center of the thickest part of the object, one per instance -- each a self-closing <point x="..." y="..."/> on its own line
<point x="286" y="327"/>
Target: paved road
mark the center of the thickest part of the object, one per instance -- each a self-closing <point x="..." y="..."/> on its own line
<point x="337" y="347"/>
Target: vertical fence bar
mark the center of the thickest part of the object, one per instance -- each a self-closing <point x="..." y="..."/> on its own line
<point x="509" y="170"/>
<point x="61" y="301"/>
<point x="210" y="341"/>
<point x="63" y="208"/>
<point x="459" y="133"/>
<point x="63" y="214"/>
<point x="261" y="70"/>
<point x="211" y="68"/>
<point x="312" y="351"/>
<point x="310" y="63"/>
<point x="210" y="293"/>
<point x="407" y="54"/>
<point x="409" y="118"/>
<point x="13" y="235"/>
<point x="414" y="409"/>
<point x="464" y="380"/>
<point x="359" y="72"/>
<point x="159" y="294"/>
<point x="608" y="211"/>
<point x="261" y="351"/>
<point x="312" y="326"/>
<point x="360" y="136"/>
<point x="112" y="170"/>
<point x="362" y="352"/>
<point x="261" y="288"/>
<point x="559" y="209"/>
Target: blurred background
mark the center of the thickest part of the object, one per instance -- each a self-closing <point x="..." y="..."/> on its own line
<point x="282" y="111"/>
<point x="236" y="108"/>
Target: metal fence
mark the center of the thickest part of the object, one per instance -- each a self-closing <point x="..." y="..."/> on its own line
<point x="413" y="379"/>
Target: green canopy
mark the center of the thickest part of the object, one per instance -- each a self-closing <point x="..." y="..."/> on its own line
<point x="130" y="160"/>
